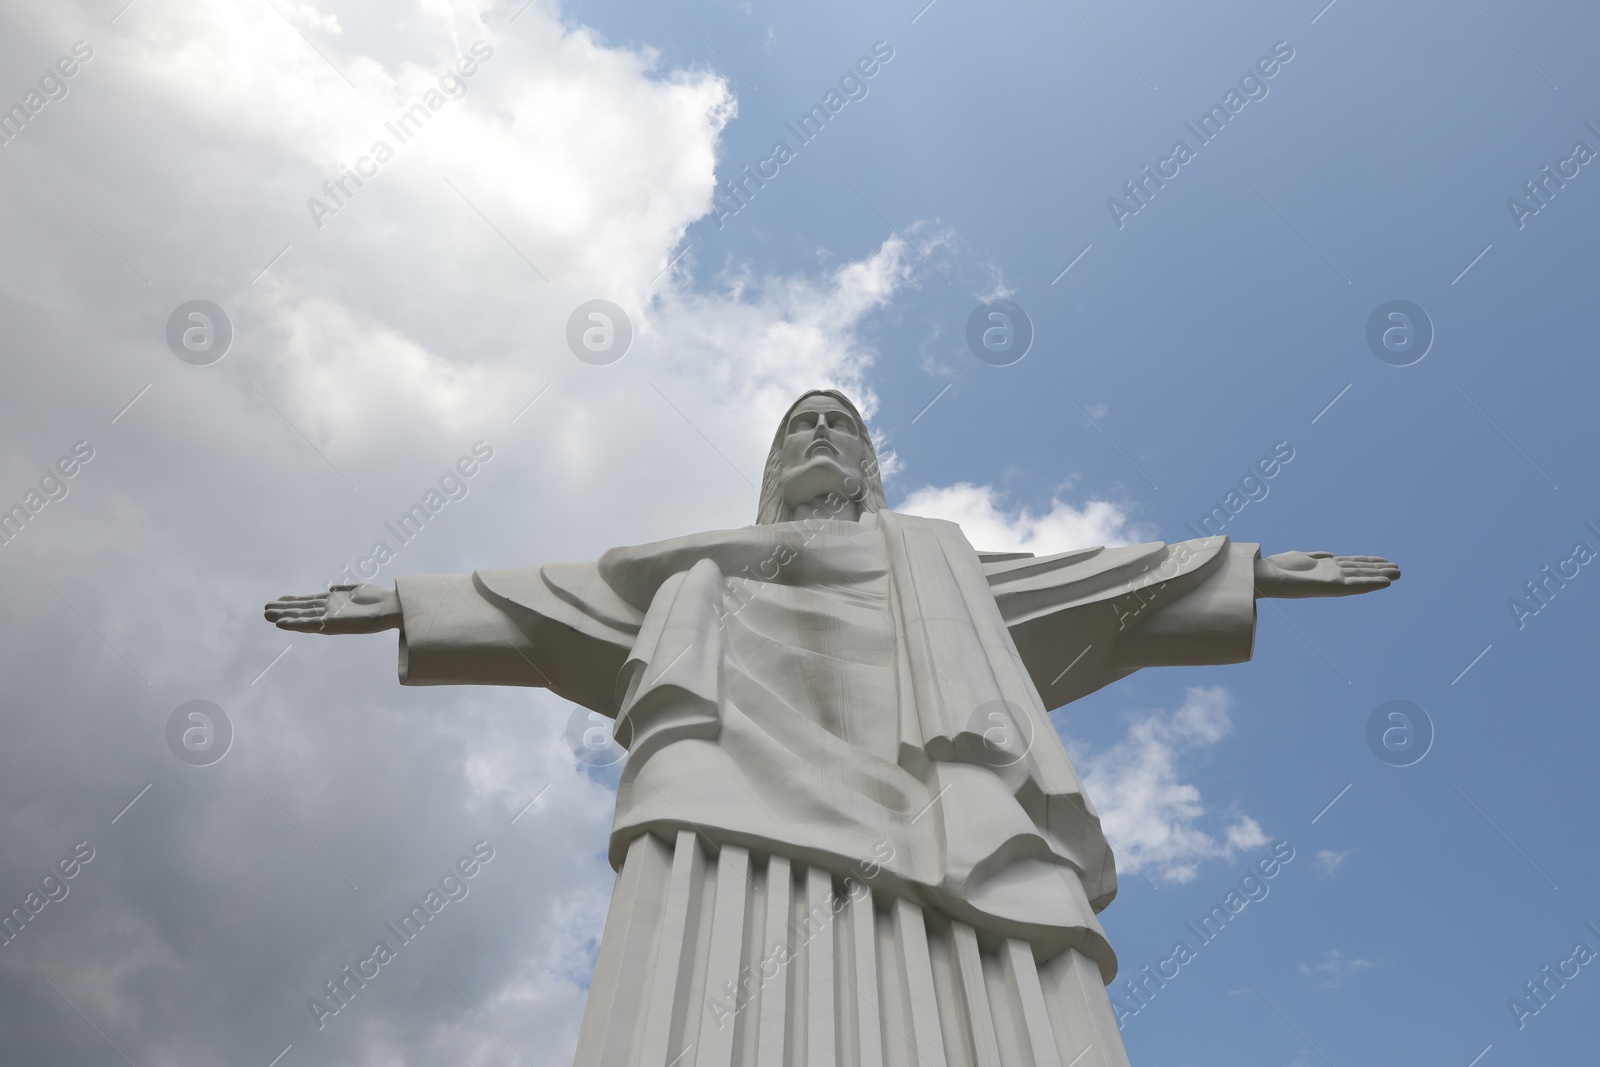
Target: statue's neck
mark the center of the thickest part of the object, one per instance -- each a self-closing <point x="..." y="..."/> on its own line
<point x="828" y="506"/>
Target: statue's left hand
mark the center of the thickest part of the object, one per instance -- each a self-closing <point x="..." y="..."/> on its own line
<point x="1301" y="574"/>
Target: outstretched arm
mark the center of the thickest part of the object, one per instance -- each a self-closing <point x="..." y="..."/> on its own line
<point x="1302" y="574"/>
<point x="451" y="632"/>
<point x="1083" y="619"/>
<point x="343" y="609"/>
<point x="557" y="627"/>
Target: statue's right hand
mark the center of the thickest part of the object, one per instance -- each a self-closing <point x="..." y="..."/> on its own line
<point x="343" y="609"/>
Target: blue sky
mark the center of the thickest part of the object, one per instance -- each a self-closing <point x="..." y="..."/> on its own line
<point x="1227" y="316"/>
<point x="1210" y="328"/>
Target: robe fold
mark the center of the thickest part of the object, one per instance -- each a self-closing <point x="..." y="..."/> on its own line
<point x="868" y="699"/>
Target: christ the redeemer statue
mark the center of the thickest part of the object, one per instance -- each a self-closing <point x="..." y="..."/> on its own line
<point x="846" y="832"/>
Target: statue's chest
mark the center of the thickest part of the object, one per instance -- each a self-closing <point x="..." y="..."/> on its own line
<point x="821" y="641"/>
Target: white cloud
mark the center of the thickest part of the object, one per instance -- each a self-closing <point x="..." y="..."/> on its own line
<point x="1334" y="968"/>
<point x="391" y="338"/>
<point x="1328" y="861"/>
<point x="992" y="527"/>
<point x="1151" y="816"/>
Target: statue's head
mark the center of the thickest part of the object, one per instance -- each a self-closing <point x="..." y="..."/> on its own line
<point x="821" y="448"/>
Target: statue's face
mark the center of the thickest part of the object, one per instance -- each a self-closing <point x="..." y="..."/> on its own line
<point x="822" y="452"/>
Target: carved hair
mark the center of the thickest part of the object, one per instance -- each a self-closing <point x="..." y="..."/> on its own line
<point x="870" y="497"/>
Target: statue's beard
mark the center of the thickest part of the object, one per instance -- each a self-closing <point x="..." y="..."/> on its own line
<point x="821" y="476"/>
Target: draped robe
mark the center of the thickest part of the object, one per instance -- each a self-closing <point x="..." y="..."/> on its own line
<point x="865" y="702"/>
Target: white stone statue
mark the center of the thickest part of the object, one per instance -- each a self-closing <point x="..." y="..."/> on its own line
<point x="846" y="832"/>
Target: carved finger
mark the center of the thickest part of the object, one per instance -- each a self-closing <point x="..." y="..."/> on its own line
<point x="295" y="616"/>
<point x="295" y="605"/>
